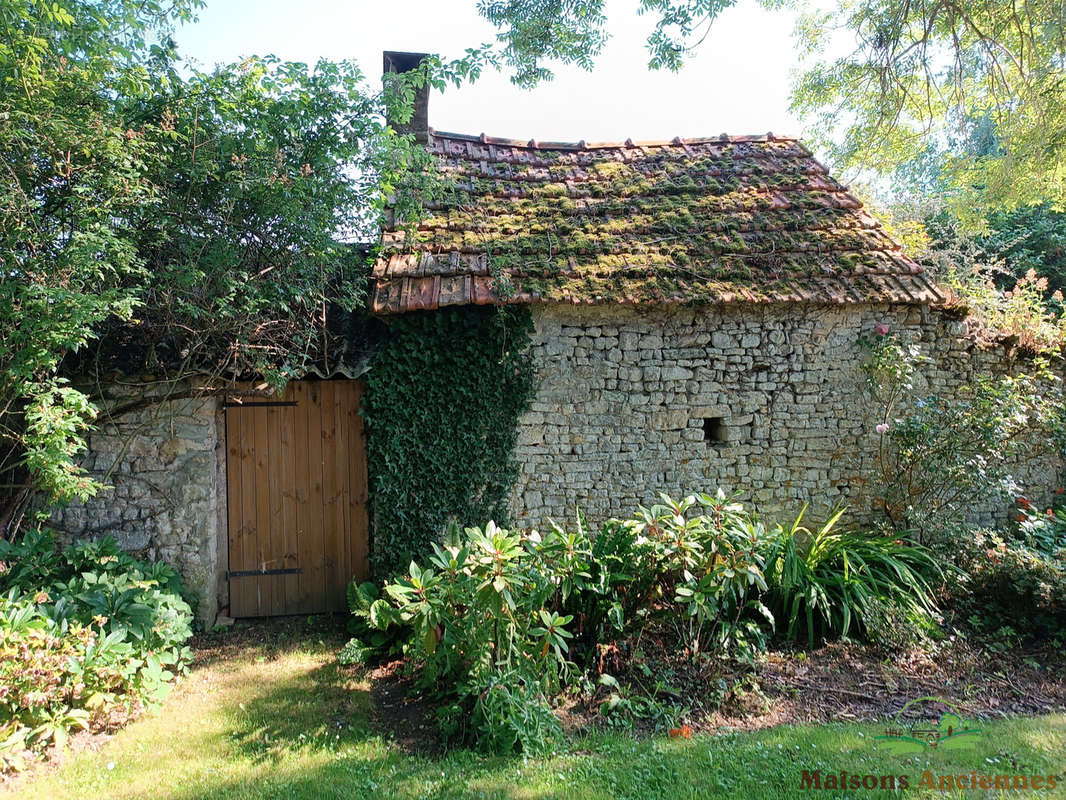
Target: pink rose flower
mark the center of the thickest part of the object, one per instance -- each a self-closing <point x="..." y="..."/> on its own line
<point x="881" y="330"/>
<point x="882" y="427"/>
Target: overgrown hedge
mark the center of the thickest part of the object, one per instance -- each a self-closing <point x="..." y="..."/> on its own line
<point x="442" y="407"/>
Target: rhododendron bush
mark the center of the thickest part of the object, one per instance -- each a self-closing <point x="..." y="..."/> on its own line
<point x="496" y="623"/>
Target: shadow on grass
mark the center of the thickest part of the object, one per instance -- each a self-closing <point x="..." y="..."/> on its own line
<point x="270" y="638"/>
<point x="316" y="710"/>
<point x="295" y="724"/>
<point x="310" y="736"/>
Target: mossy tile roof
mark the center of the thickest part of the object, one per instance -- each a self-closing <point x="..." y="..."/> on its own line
<point x="690" y="221"/>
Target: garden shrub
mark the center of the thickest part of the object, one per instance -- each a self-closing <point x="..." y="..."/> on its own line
<point x="496" y="622"/>
<point x="1046" y="532"/>
<point x="939" y="456"/>
<point x="82" y="632"/>
<point x="1012" y="590"/>
<point x="479" y="628"/>
<point x="602" y="582"/>
<point x="709" y="565"/>
<point x="829" y="583"/>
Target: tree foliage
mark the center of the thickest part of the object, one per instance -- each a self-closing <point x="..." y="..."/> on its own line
<point x="533" y="32"/>
<point x="159" y="220"/>
<point x="1008" y="266"/>
<point x="262" y="171"/>
<point x="909" y="74"/>
<point x="71" y="178"/>
<point x="1030" y="238"/>
<point x="981" y="82"/>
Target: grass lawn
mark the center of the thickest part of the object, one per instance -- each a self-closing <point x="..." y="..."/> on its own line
<point x="280" y="719"/>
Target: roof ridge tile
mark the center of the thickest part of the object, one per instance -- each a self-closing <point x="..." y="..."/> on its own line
<point x="582" y="144"/>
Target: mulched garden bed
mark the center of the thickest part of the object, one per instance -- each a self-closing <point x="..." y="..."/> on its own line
<point x="845" y="682"/>
<point x="837" y="682"/>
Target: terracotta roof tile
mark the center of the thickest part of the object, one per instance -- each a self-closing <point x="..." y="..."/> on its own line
<point x="706" y="220"/>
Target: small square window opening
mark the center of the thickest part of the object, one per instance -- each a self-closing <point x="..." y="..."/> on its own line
<point x="713" y="430"/>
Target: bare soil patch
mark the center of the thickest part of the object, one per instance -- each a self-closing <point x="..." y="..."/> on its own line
<point x="849" y="683"/>
<point x="398" y="711"/>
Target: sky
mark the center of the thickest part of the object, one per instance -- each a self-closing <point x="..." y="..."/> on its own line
<point x="737" y="82"/>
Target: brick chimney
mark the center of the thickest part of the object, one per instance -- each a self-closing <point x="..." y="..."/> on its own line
<point x="394" y="61"/>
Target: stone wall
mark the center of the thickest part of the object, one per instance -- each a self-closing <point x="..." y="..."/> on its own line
<point x="162" y="463"/>
<point x="768" y="400"/>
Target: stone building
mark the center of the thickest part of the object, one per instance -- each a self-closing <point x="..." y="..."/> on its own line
<point x="698" y="305"/>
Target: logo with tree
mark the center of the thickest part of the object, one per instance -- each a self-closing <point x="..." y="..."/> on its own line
<point x="909" y="735"/>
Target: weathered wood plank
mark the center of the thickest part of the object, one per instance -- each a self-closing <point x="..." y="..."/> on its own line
<point x="340" y="464"/>
<point x="358" y="536"/>
<point x="332" y="515"/>
<point x="234" y="510"/>
<point x="247" y="591"/>
<point x="297" y="496"/>
<point x="261" y="456"/>
<point x="273" y="531"/>
<point x="296" y="488"/>
<point x="289" y="505"/>
<point x="315" y="570"/>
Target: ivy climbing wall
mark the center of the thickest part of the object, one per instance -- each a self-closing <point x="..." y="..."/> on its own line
<point x="442" y="405"/>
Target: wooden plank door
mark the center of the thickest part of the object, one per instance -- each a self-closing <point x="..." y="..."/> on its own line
<point x="297" y="493"/>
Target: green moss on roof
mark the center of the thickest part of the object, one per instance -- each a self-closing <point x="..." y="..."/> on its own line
<point x="675" y="223"/>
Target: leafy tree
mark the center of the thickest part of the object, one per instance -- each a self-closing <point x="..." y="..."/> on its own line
<point x="71" y="176"/>
<point x="574" y="32"/>
<point x="265" y="175"/>
<point x="982" y="82"/>
<point x="1030" y="238"/>
<point x="533" y="31"/>
<point x="1010" y="277"/>
<point x="197" y="229"/>
<point x="998" y="248"/>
